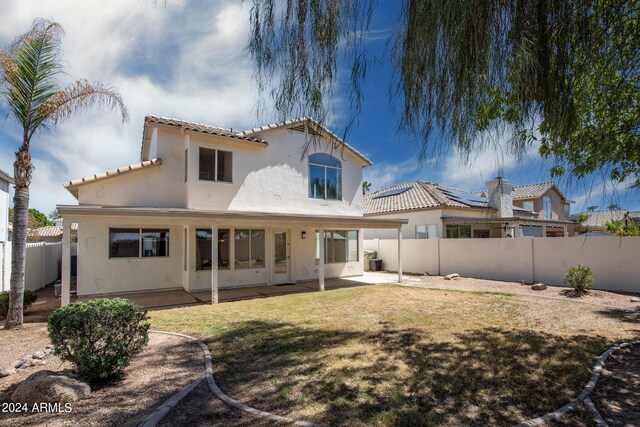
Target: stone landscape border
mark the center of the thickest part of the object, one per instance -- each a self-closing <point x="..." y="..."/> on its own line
<point x="584" y="395"/>
<point x="154" y="419"/>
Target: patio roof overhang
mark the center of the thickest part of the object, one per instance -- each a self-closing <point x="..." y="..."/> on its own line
<point x="73" y="212"/>
<point x="511" y="220"/>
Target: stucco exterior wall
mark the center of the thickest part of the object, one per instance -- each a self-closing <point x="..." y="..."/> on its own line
<point x="158" y="186"/>
<point x="271" y="179"/>
<point x="557" y="207"/>
<point x="98" y="274"/>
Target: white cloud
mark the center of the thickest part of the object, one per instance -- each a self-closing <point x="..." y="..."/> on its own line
<point x="382" y="175"/>
<point x="176" y="58"/>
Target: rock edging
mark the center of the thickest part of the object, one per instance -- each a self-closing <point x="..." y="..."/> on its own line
<point x="155" y="418"/>
<point x="34" y="359"/>
<point x="584" y="395"/>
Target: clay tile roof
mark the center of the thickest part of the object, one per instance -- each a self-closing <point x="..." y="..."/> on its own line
<point x="599" y="218"/>
<point x="299" y="124"/>
<point x="73" y="185"/>
<point x="531" y="191"/>
<point x="419" y="195"/>
<point x="6" y="176"/>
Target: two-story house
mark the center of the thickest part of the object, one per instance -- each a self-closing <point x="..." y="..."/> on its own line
<point x="208" y="207"/>
<point x="502" y="210"/>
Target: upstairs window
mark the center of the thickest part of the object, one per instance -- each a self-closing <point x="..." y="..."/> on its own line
<point x="215" y="165"/>
<point x="546" y="203"/>
<point x="528" y="205"/>
<point x="325" y="177"/>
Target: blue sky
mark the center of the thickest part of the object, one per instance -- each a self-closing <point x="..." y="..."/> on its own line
<point x="186" y="59"/>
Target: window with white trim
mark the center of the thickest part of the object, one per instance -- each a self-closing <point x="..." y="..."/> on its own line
<point x="325" y="177"/>
<point x="215" y="165"/>
<point x="203" y="249"/>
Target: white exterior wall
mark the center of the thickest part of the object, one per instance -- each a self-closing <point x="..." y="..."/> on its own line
<point x="270" y="179"/>
<point x="42" y="264"/>
<point x="424" y="217"/>
<point x="5" y="266"/>
<point x="157" y="186"/>
<point x="4" y="210"/>
<point x="614" y="260"/>
<point x="98" y="274"/>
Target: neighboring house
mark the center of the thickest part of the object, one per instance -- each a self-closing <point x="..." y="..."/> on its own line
<point x="52" y="233"/>
<point x="209" y="207"/>
<point x="596" y="221"/>
<point x="503" y="210"/>
<point x="5" y="183"/>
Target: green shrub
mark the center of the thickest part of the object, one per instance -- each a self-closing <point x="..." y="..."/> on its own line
<point x="29" y="298"/>
<point x="579" y="278"/>
<point x="100" y="337"/>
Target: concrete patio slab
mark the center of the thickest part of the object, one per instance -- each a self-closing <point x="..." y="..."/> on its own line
<point x="165" y="299"/>
<point x="152" y="299"/>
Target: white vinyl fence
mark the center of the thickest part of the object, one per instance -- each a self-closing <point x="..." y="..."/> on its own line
<point x="615" y="261"/>
<point x="42" y="265"/>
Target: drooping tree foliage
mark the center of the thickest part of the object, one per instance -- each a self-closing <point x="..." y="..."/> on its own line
<point x="37" y="100"/>
<point x="563" y="72"/>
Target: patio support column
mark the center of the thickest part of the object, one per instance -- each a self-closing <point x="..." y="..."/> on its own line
<point x="544" y="231"/>
<point x="321" y="259"/>
<point x="66" y="261"/>
<point x="214" y="264"/>
<point x="399" y="254"/>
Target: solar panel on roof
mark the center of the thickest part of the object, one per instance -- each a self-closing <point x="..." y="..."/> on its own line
<point x="468" y="199"/>
<point x="392" y="192"/>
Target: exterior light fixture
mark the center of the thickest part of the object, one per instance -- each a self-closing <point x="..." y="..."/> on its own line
<point x="303" y="235"/>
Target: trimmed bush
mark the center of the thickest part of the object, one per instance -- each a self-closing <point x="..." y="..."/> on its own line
<point x="29" y="298"/>
<point x="100" y="337"/>
<point x="579" y="278"/>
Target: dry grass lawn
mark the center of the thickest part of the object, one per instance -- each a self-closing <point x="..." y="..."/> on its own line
<point x="393" y="355"/>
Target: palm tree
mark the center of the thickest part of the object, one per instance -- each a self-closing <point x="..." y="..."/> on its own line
<point x="366" y="187"/>
<point x="36" y="100"/>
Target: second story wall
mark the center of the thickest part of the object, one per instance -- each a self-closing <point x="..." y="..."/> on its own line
<point x="271" y="179"/>
<point x="557" y="206"/>
<point x="158" y="186"/>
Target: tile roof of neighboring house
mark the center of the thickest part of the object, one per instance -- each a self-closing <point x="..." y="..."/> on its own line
<point x="598" y="219"/>
<point x="420" y="195"/>
<point x="533" y="191"/>
<point x="6" y="176"/>
<point x="73" y="185"/>
<point x="52" y="230"/>
<point x="300" y="124"/>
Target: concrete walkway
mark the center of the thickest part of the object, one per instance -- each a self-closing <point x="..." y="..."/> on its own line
<point x="179" y="297"/>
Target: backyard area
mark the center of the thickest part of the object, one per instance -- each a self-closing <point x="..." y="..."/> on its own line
<point x="430" y="352"/>
<point x="395" y="355"/>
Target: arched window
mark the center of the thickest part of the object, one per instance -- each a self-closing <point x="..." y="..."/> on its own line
<point x="546" y="203"/>
<point x="325" y="177"/>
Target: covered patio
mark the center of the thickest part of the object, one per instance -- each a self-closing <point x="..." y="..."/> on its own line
<point x="275" y="253"/>
<point x="179" y="297"/>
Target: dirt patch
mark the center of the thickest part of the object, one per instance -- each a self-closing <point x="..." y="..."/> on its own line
<point x="166" y="365"/>
<point x="603" y="298"/>
<point x="617" y="395"/>
<point x="17" y="343"/>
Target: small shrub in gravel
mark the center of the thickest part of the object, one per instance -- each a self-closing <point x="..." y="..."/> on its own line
<point x="100" y="337"/>
<point x="579" y="278"/>
<point x="29" y="298"/>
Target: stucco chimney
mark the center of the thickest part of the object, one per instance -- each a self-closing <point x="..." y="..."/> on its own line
<point x="499" y="196"/>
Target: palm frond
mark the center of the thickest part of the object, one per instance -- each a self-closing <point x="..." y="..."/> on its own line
<point x="29" y="69"/>
<point x="80" y="95"/>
